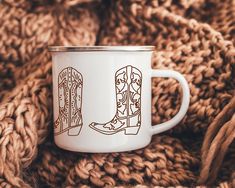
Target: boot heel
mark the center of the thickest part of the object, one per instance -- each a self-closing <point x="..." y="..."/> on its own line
<point x="131" y="130"/>
<point x="74" y="131"/>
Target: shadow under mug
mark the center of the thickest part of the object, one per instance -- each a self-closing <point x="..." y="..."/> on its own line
<point x="102" y="97"/>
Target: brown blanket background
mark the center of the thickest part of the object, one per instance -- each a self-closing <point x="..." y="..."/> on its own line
<point x="194" y="37"/>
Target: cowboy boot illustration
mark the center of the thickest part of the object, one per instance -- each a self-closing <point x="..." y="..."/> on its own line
<point x="128" y="81"/>
<point x="70" y="85"/>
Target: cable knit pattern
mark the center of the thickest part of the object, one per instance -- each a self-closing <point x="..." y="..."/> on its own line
<point x="194" y="37"/>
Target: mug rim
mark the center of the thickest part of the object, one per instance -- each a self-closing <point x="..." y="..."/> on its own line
<point x="100" y="48"/>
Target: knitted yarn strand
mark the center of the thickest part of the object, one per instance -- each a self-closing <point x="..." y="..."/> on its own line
<point x="193" y="37"/>
<point x="219" y="136"/>
<point x="25" y="111"/>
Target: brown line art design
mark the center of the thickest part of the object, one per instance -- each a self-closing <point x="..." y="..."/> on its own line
<point x="128" y="82"/>
<point x="70" y="85"/>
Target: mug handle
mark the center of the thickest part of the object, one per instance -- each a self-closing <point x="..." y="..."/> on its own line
<point x="184" y="104"/>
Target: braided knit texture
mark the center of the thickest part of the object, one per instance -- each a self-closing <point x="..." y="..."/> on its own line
<point x="193" y="37"/>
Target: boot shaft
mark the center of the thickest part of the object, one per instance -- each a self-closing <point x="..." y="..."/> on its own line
<point x="128" y="82"/>
<point x="70" y="97"/>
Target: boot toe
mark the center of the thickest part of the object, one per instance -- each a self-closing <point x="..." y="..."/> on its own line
<point x="98" y="127"/>
<point x="92" y="124"/>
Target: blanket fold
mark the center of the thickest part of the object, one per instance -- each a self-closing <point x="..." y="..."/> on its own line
<point x="194" y="37"/>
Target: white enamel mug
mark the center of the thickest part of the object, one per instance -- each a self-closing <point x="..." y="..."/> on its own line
<point x="102" y="98"/>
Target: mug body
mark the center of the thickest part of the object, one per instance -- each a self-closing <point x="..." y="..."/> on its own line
<point x="102" y="99"/>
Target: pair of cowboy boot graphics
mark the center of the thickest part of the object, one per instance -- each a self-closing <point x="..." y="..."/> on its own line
<point x="128" y="82"/>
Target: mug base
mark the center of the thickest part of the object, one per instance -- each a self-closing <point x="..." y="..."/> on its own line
<point x="103" y="150"/>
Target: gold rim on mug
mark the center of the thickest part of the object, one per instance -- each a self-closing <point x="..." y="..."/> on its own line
<point x="100" y="48"/>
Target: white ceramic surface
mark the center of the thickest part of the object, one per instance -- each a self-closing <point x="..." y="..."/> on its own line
<point x="96" y="87"/>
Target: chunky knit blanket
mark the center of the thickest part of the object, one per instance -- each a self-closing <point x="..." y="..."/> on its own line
<point x="194" y="37"/>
